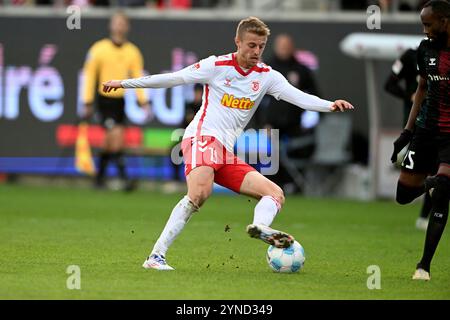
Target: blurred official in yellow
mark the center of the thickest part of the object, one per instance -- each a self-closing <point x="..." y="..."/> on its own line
<point x="112" y="58"/>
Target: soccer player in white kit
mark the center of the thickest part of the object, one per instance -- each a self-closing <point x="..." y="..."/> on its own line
<point x="234" y="85"/>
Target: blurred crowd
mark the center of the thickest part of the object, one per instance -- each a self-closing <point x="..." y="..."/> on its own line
<point x="320" y="5"/>
<point x="162" y="4"/>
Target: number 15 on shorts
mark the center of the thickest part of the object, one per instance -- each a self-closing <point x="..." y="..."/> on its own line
<point x="409" y="160"/>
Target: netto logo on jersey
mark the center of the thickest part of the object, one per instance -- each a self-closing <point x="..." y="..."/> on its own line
<point x="435" y="77"/>
<point x="238" y="103"/>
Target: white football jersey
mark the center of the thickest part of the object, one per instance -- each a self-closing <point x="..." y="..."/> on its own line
<point x="231" y="95"/>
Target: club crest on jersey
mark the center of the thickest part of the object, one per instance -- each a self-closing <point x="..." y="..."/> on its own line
<point x="255" y="85"/>
<point x="227" y="82"/>
<point x="196" y="66"/>
<point x="230" y="101"/>
<point x="432" y="62"/>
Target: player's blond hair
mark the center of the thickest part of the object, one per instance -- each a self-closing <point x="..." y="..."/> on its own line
<point x="253" y="25"/>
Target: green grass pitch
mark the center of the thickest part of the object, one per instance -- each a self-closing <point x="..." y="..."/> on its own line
<point x="44" y="230"/>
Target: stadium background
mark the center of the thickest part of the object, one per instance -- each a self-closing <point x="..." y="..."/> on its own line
<point x="40" y="75"/>
<point x="49" y="224"/>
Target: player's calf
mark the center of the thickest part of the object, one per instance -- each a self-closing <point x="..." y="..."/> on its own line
<point x="438" y="219"/>
<point x="439" y="199"/>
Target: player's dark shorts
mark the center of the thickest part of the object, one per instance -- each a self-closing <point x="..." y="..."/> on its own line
<point x="111" y="110"/>
<point x="427" y="151"/>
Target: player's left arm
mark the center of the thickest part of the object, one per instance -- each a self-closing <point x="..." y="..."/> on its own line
<point x="282" y="89"/>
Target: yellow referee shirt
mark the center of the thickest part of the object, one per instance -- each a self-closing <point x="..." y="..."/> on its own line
<point x="107" y="61"/>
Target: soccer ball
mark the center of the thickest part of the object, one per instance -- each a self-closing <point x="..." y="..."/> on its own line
<point x="286" y="260"/>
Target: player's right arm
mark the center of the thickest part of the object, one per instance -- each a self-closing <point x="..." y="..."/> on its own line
<point x="419" y="96"/>
<point x="200" y="72"/>
<point x="421" y="92"/>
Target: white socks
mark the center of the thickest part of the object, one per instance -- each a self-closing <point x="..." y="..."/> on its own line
<point x="178" y="218"/>
<point x="266" y="210"/>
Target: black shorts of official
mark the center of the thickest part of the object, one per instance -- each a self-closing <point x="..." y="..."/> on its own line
<point x="427" y="151"/>
<point x="111" y="111"/>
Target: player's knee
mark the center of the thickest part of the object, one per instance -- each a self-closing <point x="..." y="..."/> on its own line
<point x="199" y="196"/>
<point x="278" y="195"/>
<point x="441" y="193"/>
<point x="406" y="194"/>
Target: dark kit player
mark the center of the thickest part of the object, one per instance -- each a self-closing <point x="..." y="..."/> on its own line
<point x="402" y="83"/>
<point x="428" y="130"/>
